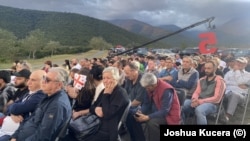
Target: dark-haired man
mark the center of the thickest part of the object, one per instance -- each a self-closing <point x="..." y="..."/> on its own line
<point x="6" y="90"/>
<point x="21" y="79"/>
<point x="208" y="94"/>
<point x="132" y="83"/>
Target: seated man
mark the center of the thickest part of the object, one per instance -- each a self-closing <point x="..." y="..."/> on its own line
<point x="152" y="67"/>
<point x="236" y="82"/>
<point x="20" y="83"/>
<point x="161" y="106"/>
<point x="170" y="74"/>
<point x="208" y="94"/>
<point x="6" y="90"/>
<point x="134" y="90"/>
<point x="187" y="77"/>
<point x="52" y="112"/>
<point x="19" y="111"/>
<point x="132" y="84"/>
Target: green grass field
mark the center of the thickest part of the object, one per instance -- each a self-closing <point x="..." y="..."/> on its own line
<point x="59" y="59"/>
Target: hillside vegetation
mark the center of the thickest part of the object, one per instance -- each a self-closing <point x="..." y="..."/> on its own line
<point x="36" y="34"/>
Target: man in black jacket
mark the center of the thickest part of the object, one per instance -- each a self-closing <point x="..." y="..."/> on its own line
<point x="6" y="90"/>
<point x="49" y="117"/>
<point x="20" y="82"/>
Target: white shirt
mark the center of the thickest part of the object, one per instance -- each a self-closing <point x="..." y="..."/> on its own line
<point x="235" y="78"/>
<point x="78" y="66"/>
<point x="223" y="64"/>
<point x="8" y="126"/>
<point x="98" y="90"/>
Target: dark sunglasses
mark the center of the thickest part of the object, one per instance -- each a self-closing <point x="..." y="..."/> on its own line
<point x="47" y="80"/>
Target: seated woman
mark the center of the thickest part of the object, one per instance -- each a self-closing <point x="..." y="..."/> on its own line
<point x="84" y="97"/>
<point x="109" y="106"/>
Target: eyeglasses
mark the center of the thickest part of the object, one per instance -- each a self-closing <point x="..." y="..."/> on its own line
<point x="47" y="80"/>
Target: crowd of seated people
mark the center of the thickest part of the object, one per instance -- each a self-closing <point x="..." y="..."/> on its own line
<point x="149" y="82"/>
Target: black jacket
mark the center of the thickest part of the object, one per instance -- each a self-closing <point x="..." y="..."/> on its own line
<point x="113" y="106"/>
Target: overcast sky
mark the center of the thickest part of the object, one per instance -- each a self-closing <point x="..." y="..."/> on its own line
<point x="155" y="12"/>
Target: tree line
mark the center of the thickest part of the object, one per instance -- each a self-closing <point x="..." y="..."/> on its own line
<point x="36" y="45"/>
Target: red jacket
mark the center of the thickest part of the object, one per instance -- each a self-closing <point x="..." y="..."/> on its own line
<point x="174" y="115"/>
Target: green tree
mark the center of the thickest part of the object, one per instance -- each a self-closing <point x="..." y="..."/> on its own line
<point x="8" y="45"/>
<point x="52" y="46"/>
<point x="99" y="43"/>
<point x="34" y="41"/>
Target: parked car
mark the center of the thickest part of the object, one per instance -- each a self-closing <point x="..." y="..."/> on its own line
<point x="165" y="52"/>
<point x="225" y="52"/>
<point x="142" y="51"/>
<point x="189" y="51"/>
<point x="242" y="53"/>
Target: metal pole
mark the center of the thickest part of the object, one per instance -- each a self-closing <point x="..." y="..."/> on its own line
<point x="171" y="34"/>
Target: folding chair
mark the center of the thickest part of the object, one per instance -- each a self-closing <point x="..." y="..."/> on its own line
<point x="123" y="118"/>
<point x="63" y="132"/>
<point x="220" y="108"/>
<point x="245" y="108"/>
<point x="181" y="95"/>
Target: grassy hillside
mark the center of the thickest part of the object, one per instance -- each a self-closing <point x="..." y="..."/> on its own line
<point x="67" y="28"/>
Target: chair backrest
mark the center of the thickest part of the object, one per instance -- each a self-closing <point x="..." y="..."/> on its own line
<point x="181" y="95"/>
<point x="220" y="110"/>
<point x="246" y="104"/>
<point x="124" y="115"/>
<point x="63" y="131"/>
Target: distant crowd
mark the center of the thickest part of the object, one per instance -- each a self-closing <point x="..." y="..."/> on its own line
<point x="172" y="90"/>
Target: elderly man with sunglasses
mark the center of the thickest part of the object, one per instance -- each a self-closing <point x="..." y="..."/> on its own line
<point x="49" y="117"/>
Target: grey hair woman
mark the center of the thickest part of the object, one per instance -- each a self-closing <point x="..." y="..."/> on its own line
<point x="109" y="106"/>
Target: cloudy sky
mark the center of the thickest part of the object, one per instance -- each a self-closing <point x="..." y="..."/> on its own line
<point x="154" y="12"/>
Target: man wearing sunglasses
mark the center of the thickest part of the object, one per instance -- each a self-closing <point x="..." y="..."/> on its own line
<point x="51" y="114"/>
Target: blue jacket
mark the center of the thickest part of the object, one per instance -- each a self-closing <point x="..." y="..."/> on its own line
<point x="27" y="107"/>
<point x="47" y="120"/>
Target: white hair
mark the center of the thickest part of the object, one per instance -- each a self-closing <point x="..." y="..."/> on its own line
<point x="148" y="79"/>
<point x="114" y="71"/>
<point x="62" y="74"/>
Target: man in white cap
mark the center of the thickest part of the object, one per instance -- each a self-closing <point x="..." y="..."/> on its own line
<point x="236" y="86"/>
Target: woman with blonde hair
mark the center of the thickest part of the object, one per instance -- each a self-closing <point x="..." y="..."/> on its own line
<point x="109" y="106"/>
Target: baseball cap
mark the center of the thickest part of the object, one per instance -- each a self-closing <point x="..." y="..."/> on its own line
<point x="242" y="60"/>
<point x="23" y="73"/>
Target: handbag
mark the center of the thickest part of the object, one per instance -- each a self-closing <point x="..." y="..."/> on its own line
<point x="84" y="126"/>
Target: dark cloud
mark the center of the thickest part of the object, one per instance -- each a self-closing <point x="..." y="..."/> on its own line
<point x="155" y="12"/>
